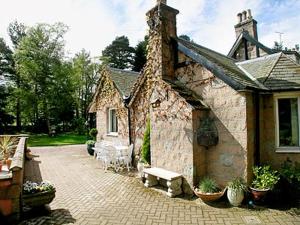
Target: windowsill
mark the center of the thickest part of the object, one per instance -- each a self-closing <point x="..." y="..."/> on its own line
<point x="288" y="150"/>
<point x="112" y="134"/>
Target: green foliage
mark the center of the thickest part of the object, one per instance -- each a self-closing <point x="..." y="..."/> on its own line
<point x="58" y="140"/>
<point x="208" y="185"/>
<point x="90" y="142"/>
<point x="93" y="133"/>
<point x="146" y="154"/>
<point x="185" y="37"/>
<point x="140" y="56"/>
<point x="118" y="54"/>
<point x="16" y="32"/>
<point x="5" y="117"/>
<point x="264" y="177"/>
<point x="238" y="184"/>
<point x="290" y="171"/>
<point x="84" y="77"/>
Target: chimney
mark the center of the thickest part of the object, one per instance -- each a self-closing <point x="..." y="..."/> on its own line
<point x="162" y="33"/>
<point x="246" y="23"/>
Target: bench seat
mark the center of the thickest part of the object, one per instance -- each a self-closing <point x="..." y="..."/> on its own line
<point x="174" y="180"/>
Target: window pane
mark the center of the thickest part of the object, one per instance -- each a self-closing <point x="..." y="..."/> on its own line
<point x="113" y="122"/>
<point x="288" y="122"/>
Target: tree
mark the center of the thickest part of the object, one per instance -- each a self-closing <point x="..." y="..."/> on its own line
<point x="277" y="46"/>
<point x="85" y="74"/>
<point x="118" y="54"/>
<point x="140" y="56"/>
<point x="16" y="32"/>
<point x="39" y="58"/>
<point x="185" y="37"/>
<point x="5" y="118"/>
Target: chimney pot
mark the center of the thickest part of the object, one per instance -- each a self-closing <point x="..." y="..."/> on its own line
<point x="162" y="1"/>
<point x="249" y="14"/>
<point x="239" y="17"/>
<point x="244" y="15"/>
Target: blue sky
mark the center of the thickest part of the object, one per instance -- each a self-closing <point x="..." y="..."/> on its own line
<point x="93" y="24"/>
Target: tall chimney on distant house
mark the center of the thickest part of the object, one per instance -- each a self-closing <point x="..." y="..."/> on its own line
<point x="246" y="23"/>
<point x="162" y="33"/>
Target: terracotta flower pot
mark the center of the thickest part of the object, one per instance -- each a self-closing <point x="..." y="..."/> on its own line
<point x="209" y="197"/>
<point x="258" y="194"/>
<point x="8" y="163"/>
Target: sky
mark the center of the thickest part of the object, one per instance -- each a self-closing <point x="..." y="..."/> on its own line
<point x="94" y="24"/>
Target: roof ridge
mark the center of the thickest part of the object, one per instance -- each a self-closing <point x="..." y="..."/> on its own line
<point x="201" y="46"/>
<point x="258" y="59"/>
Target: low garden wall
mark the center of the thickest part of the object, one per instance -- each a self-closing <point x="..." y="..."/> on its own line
<point x="11" y="181"/>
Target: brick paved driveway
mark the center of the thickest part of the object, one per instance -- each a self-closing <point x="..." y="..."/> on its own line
<point x="88" y="195"/>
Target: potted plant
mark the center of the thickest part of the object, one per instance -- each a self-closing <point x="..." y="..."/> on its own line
<point x="90" y="146"/>
<point x="235" y="191"/>
<point x="264" y="180"/>
<point x="7" y="149"/>
<point x="208" y="190"/>
<point x="93" y="133"/>
<point x="36" y="195"/>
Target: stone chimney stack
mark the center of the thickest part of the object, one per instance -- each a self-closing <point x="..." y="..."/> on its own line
<point x="162" y="33"/>
<point x="246" y="23"/>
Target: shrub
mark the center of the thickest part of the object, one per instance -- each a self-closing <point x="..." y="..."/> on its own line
<point x="146" y="155"/>
<point x="264" y="177"/>
<point x="93" y="133"/>
<point x="208" y="185"/>
<point x="290" y="171"/>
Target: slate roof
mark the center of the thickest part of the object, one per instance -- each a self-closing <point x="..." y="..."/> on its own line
<point x="260" y="67"/>
<point x="191" y="97"/>
<point x="220" y="65"/>
<point x="275" y="72"/>
<point x="245" y="35"/>
<point x="124" y="80"/>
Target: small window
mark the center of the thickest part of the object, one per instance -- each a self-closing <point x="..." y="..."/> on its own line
<point x="287" y="123"/>
<point x="112" y="121"/>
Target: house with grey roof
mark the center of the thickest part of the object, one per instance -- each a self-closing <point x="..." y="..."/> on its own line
<point x="210" y="114"/>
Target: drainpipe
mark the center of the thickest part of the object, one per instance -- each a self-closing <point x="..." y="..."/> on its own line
<point x="126" y="100"/>
<point x="257" y="130"/>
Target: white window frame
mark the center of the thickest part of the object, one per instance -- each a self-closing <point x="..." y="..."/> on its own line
<point x="109" y="131"/>
<point x="286" y="149"/>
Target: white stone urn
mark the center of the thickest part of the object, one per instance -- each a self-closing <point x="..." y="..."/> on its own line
<point x="235" y="196"/>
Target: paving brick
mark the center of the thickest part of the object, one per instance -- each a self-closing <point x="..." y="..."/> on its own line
<point x="87" y="195"/>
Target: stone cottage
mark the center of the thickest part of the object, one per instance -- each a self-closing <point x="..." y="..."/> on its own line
<point x="210" y="114"/>
<point x="110" y="103"/>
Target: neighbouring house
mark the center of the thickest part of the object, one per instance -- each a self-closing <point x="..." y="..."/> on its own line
<point x="210" y="114"/>
<point x="247" y="45"/>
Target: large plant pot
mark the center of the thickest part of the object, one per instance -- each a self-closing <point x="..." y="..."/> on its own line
<point x="38" y="199"/>
<point x="209" y="197"/>
<point x="235" y="196"/>
<point x="90" y="149"/>
<point x="259" y="194"/>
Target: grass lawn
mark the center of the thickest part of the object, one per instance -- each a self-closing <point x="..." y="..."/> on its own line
<point x="60" y="139"/>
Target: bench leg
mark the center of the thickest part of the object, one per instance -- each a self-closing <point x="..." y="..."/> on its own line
<point x="174" y="187"/>
<point x="150" y="180"/>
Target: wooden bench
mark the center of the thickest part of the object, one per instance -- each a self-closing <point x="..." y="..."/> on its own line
<point x="174" y="180"/>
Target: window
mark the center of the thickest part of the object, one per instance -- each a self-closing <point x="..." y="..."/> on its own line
<point x="287" y="123"/>
<point x="112" y="121"/>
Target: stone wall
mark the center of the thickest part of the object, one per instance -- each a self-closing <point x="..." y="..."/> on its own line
<point x="172" y="134"/>
<point x="229" y="110"/>
<point x="268" y="153"/>
<point x="11" y="187"/>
